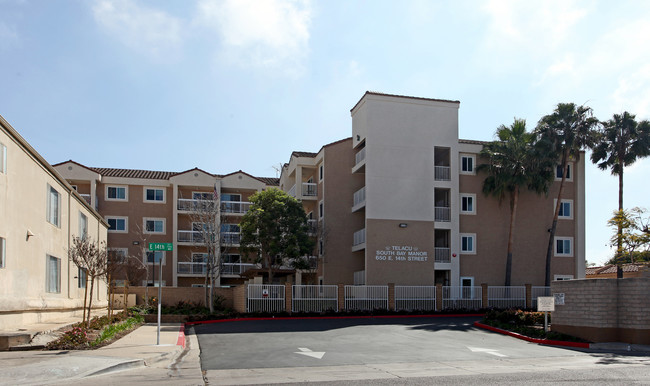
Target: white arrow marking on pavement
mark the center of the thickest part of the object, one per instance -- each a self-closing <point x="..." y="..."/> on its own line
<point x="309" y="353"/>
<point x="487" y="351"/>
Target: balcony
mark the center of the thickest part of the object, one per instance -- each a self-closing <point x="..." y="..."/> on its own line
<point x="442" y="255"/>
<point x="235" y="207"/>
<point x="359" y="199"/>
<point x="359" y="240"/>
<point x="442" y="213"/>
<point x="187" y="205"/>
<point x="186" y="236"/>
<point x="227" y="269"/>
<point x="86" y="197"/>
<point x="230" y="238"/>
<point x="292" y="191"/>
<point x="359" y="161"/>
<point x="442" y="173"/>
<point x="309" y="189"/>
<point x="312" y="227"/>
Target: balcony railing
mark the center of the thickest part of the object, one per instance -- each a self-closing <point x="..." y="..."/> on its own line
<point x="292" y="191"/>
<point x="86" y="197"/>
<point x="442" y="255"/>
<point x="442" y="173"/>
<point x="360" y="156"/>
<point x="188" y="205"/>
<point x="312" y="227"/>
<point x="309" y="189"/>
<point x="359" y="196"/>
<point x="189" y="268"/>
<point x="443" y="213"/>
<point x="232" y="238"/>
<point x="237" y="207"/>
<point x="359" y="237"/>
<point x="190" y="237"/>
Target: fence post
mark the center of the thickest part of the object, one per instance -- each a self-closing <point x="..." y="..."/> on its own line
<point x="341" y="296"/>
<point x="239" y="298"/>
<point x="438" y="297"/>
<point x="391" y="296"/>
<point x="288" y="296"/>
<point x="529" y="296"/>
<point x="484" y="291"/>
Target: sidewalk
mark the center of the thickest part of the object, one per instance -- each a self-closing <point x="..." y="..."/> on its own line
<point x="137" y="352"/>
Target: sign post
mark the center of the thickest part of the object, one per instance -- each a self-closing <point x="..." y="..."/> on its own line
<point x="160" y="247"/>
<point x="546" y="304"/>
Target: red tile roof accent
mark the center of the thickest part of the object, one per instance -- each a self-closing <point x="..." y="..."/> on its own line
<point x="133" y="173"/>
<point x="304" y="154"/>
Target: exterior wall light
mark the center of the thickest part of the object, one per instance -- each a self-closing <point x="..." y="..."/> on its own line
<point x="403" y="225"/>
<point x="136" y="243"/>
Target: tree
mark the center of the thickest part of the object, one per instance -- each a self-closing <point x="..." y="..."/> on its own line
<point x="92" y="258"/>
<point x="275" y="228"/>
<point x="133" y="270"/>
<point x="632" y="235"/>
<point x="567" y="131"/>
<point x="620" y="143"/>
<point x="514" y="161"/>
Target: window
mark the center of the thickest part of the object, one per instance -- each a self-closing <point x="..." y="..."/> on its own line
<point x="566" y="207"/>
<point x="231" y="197"/>
<point x="467" y="164"/>
<point x="153" y="284"/>
<point x="569" y="174"/>
<point x="467" y="204"/>
<point x="3" y="158"/>
<point x="75" y="187"/>
<point x="154" y="225"/>
<point x="53" y="275"/>
<point x="83" y="225"/>
<point x="563" y="246"/>
<point x="562" y="277"/>
<point x="320" y="173"/>
<point x="81" y="278"/>
<point x="467" y="287"/>
<point x="53" y="206"/>
<point x="320" y="247"/>
<point x="116" y="193"/>
<point x="154" y="257"/>
<point x="154" y="195"/>
<point x="468" y="243"/>
<point x="117" y="224"/>
<point x="202" y="196"/>
<point x="3" y="251"/>
<point x="320" y="210"/>
<point x="199" y="257"/>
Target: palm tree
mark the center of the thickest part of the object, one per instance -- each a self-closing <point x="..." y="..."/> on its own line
<point x="568" y="130"/>
<point x="621" y="142"/>
<point x="513" y="161"/>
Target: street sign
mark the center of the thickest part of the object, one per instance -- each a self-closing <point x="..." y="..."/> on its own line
<point x="161" y="247"/>
<point x="546" y="303"/>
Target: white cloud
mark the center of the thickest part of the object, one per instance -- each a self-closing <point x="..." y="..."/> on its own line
<point x="143" y="29"/>
<point x="260" y="33"/>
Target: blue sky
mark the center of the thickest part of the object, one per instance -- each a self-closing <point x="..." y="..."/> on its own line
<point x="239" y="84"/>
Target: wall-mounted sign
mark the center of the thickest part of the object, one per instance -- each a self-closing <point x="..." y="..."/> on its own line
<point x="405" y="253"/>
<point x="559" y="299"/>
<point x="546" y="303"/>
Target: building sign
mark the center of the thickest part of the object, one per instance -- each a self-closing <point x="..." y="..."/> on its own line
<point x="406" y="253"/>
<point x="559" y="299"/>
<point x="546" y="303"/>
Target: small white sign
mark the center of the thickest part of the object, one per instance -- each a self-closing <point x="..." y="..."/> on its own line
<point x="559" y="299"/>
<point x="265" y="293"/>
<point x="546" y="303"/>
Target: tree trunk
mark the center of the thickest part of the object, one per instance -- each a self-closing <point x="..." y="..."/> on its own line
<point x="619" y="231"/>
<point x="90" y="300"/>
<point x="513" y="213"/>
<point x="85" y="299"/>
<point x="126" y="295"/>
<point x="551" y="237"/>
<point x="110" y="297"/>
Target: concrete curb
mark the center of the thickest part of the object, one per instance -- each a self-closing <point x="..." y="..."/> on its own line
<point x="533" y="340"/>
<point x="126" y="365"/>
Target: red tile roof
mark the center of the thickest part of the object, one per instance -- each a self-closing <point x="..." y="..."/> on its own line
<point x="133" y="173"/>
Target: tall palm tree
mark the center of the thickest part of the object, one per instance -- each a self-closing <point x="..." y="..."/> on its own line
<point x="513" y="161"/>
<point x="567" y="131"/>
<point x="621" y="142"/>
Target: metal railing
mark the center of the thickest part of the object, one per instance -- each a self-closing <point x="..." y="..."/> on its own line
<point x="359" y="237"/>
<point x="456" y="297"/>
<point x="232" y="238"/>
<point x="265" y="298"/>
<point x="237" y="207"/>
<point x="411" y="298"/>
<point x="190" y="268"/>
<point x="359" y="196"/>
<point x="360" y="156"/>
<point x="309" y="189"/>
<point x="292" y="191"/>
<point x="507" y="297"/>
<point x="537" y="291"/>
<point x="443" y="213"/>
<point x="314" y="298"/>
<point x="190" y="236"/>
<point x="235" y="268"/>
<point x="442" y="173"/>
<point x="368" y="297"/>
<point x="188" y="205"/>
<point x="86" y="197"/>
<point x="312" y="226"/>
<point x="442" y="255"/>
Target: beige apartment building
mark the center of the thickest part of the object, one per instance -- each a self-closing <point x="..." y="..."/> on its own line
<point x="143" y="207"/>
<point x="400" y="202"/>
<point x="40" y="214"/>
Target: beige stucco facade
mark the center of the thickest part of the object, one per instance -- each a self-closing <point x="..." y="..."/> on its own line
<point x="40" y="214"/>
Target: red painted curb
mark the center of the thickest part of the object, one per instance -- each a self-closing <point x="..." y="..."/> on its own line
<point x="533" y="340"/>
<point x="181" y="336"/>
<point x="332" y="317"/>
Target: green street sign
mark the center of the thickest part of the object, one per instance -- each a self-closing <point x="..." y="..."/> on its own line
<point x="161" y="246"/>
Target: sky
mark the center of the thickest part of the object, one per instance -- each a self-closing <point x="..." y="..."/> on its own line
<point x="240" y="84"/>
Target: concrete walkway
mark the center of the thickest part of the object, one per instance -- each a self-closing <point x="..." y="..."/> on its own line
<point x="134" y="359"/>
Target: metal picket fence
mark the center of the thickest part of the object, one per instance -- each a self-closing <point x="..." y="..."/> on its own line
<point x="538" y="291"/>
<point x="411" y="298"/>
<point x="265" y="298"/>
<point x="507" y="297"/>
<point x="366" y="297"/>
<point x="456" y="297"/>
<point x="314" y="298"/>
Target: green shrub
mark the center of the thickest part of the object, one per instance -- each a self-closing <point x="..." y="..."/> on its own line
<point x="70" y="340"/>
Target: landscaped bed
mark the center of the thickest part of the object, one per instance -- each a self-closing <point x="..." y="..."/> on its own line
<point x="526" y="323"/>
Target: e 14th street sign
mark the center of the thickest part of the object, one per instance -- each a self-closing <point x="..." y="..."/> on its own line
<point x="161" y="246"/>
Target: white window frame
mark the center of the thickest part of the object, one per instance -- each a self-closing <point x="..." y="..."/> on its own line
<point x="564" y="217"/>
<point x="154" y="201"/>
<point x="473" y="197"/>
<point x="562" y="277"/>
<point x="48" y="275"/>
<point x="473" y="250"/>
<point x="321" y="172"/>
<point x="126" y="193"/>
<point x="124" y="253"/>
<point x="468" y="172"/>
<point x="570" y="178"/>
<point x="154" y="219"/>
<point x="471" y="287"/>
<point x="321" y="209"/>
<point x="126" y="224"/>
<point x="3" y="158"/>
<point x="163" y="260"/>
<point x="563" y="254"/>
<point x="3" y="252"/>
<point x="146" y="283"/>
<point x="52" y="217"/>
<point x="83" y="225"/>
